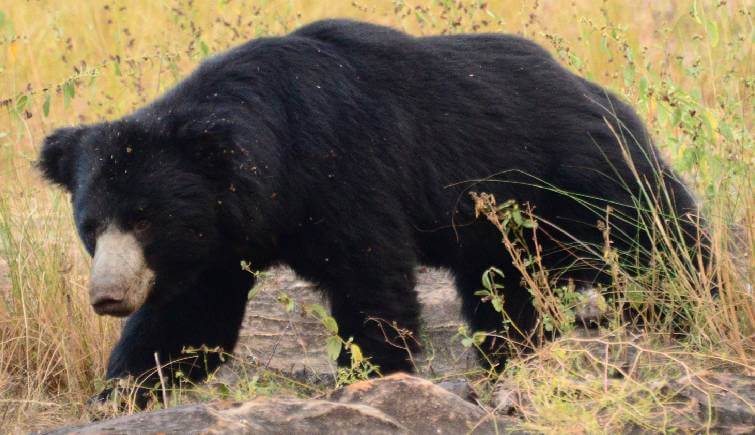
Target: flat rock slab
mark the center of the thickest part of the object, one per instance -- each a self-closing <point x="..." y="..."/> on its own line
<point x="395" y="404"/>
<point x="293" y="342"/>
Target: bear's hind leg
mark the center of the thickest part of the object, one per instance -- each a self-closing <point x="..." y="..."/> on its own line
<point x="382" y="316"/>
<point x="366" y="270"/>
<point x="482" y="316"/>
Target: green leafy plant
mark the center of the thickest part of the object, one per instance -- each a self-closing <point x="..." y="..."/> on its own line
<point x="360" y="368"/>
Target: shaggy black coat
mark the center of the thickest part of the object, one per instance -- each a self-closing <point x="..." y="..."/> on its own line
<point x="347" y="150"/>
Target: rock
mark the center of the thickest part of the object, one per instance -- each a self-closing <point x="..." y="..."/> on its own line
<point x="294" y="343"/>
<point x="460" y="387"/>
<point x="395" y="404"/>
<point x="506" y="397"/>
<point x="725" y="399"/>
<point x="260" y="416"/>
<point x="419" y="405"/>
<point x="275" y="338"/>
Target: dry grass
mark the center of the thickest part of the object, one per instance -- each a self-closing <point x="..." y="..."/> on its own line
<point x="686" y="65"/>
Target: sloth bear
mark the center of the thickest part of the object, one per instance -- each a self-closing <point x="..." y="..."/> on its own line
<point x="347" y="151"/>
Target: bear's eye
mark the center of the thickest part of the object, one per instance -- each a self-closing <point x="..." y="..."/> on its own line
<point x="90" y="227"/>
<point x="89" y="231"/>
<point x="141" y="225"/>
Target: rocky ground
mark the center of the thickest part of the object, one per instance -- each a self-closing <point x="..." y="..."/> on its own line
<point x="440" y="401"/>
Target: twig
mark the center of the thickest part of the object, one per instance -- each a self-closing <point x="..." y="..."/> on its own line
<point x="162" y="380"/>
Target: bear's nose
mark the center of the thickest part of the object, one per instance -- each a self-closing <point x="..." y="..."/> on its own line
<point x="108" y="290"/>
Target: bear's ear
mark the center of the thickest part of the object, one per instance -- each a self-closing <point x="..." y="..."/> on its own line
<point x="58" y="156"/>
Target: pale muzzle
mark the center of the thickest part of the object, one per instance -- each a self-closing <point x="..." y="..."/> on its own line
<point x="121" y="279"/>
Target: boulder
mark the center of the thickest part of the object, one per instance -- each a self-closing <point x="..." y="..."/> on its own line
<point x="395" y="404"/>
<point x="294" y="343"/>
<point x="259" y="416"/>
<point x="725" y="402"/>
<point x="419" y="405"/>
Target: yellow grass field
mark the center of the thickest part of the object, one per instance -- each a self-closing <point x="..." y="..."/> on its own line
<point x="686" y="65"/>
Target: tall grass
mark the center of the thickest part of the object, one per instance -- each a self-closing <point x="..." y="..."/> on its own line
<point x="686" y="66"/>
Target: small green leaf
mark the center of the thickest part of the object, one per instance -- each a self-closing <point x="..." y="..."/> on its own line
<point x="356" y="354"/>
<point x="333" y="347"/>
<point x="46" y="105"/>
<point x="724" y="129"/>
<point x="662" y="114"/>
<point x="486" y="282"/>
<point x="604" y="45"/>
<point x="628" y="75"/>
<point x="21" y="103"/>
<point x="695" y="14"/>
<point x="677" y="116"/>
<point x="204" y="49"/>
<point x="330" y="324"/>
<point x="508" y="204"/>
<point x="69" y="91"/>
<point x="548" y="323"/>
<point x="317" y="310"/>
<point x="479" y="337"/>
<point x="644" y="87"/>
<point x="517" y="216"/>
<point x="712" y="29"/>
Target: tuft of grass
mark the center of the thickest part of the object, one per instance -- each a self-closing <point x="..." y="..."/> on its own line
<point x="52" y="348"/>
<point x="685" y="65"/>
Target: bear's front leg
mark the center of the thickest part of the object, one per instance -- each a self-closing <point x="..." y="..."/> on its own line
<point x="207" y="314"/>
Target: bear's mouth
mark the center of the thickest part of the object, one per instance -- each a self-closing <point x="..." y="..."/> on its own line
<point x="112" y="308"/>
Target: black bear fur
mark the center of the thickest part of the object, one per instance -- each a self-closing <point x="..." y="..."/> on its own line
<point x="347" y="150"/>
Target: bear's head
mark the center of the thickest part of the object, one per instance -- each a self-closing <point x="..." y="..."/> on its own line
<point x="145" y="202"/>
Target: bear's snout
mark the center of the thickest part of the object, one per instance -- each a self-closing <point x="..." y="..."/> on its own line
<point x="121" y="279"/>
